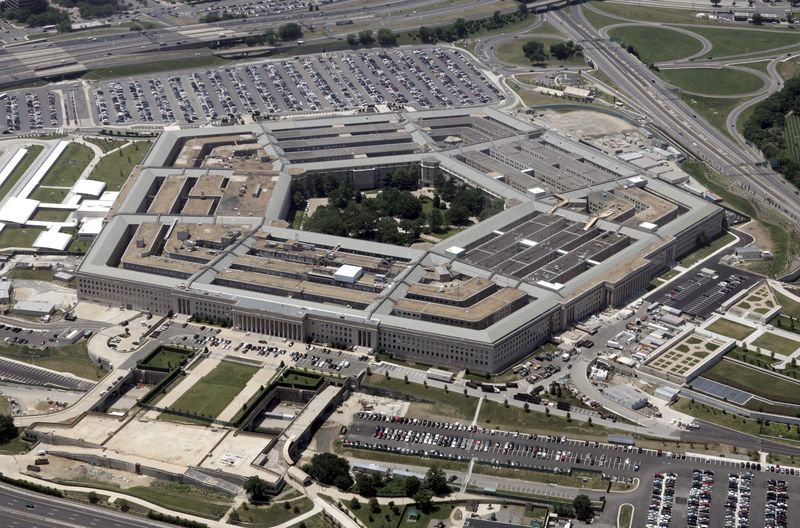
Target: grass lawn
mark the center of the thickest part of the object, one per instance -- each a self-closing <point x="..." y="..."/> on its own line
<point x="115" y="168"/>
<point x="298" y="379"/>
<point x="384" y="456"/>
<point x="625" y="516"/>
<point x="167" y="358"/>
<point x="319" y="520"/>
<point x="16" y="446"/>
<point x="789" y="69"/>
<point x="789" y="307"/>
<point x="31" y="274"/>
<point x="212" y="393"/>
<point x="49" y="195"/>
<point x="780" y="228"/>
<point x="649" y="14"/>
<point x="497" y="416"/>
<point x="453" y="405"/>
<point x="105" y="143"/>
<point x="69" y="166"/>
<point x="696" y="256"/>
<point x="730" y="328"/>
<point x="649" y="43"/>
<point x="16" y="174"/>
<point x="70" y="358"/>
<point x="756" y="381"/>
<point x="169" y="65"/>
<point x="712" y="82"/>
<point x="577" y="479"/>
<point x="599" y="21"/>
<point x="776" y="343"/>
<point x="182" y="498"/>
<point x="738" y="41"/>
<point x="51" y="215"/>
<point x="274" y="514"/>
<point x="386" y="518"/>
<point x="511" y="52"/>
<point x="715" y="110"/>
<point x="19" y="236"/>
<point x="737" y="423"/>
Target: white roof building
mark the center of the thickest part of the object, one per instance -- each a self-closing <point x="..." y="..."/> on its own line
<point x="89" y="188"/>
<point x="18" y="210"/>
<point x="90" y="228"/>
<point x="52" y="239"/>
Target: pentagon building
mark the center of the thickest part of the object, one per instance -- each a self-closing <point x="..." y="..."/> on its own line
<point x="201" y="228"/>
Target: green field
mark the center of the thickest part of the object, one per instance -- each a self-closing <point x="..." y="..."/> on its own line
<point x="106" y="143"/>
<point x="275" y="513"/>
<point x="625" y="516"/>
<point x="115" y="168"/>
<point x="452" y="404"/>
<point x="211" y="394"/>
<point x="699" y="254"/>
<point x="511" y="52"/>
<point x="649" y="43"/>
<point x="22" y="237"/>
<point x="69" y="166"/>
<point x="169" y="65"/>
<point x="70" y="358"/>
<point x="737" y="423"/>
<point x="650" y="14"/>
<point x="776" y="343"/>
<point x="51" y="215"/>
<point x="31" y="274"/>
<point x="711" y="82"/>
<point x="728" y="42"/>
<point x="792" y="133"/>
<point x="16" y="174"/>
<point x="49" y="195"/>
<point x="166" y="358"/>
<point x="757" y="381"/>
<point x="789" y="307"/>
<point x="731" y="329"/>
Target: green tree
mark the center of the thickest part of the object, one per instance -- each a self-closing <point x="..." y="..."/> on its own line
<point x="461" y="28"/>
<point x="534" y="51"/>
<point x="8" y="431"/>
<point x="352" y="39"/>
<point x="330" y="469"/>
<point x="290" y="31"/>
<point x="386" y="37"/>
<point x="366" y="37"/>
<point x="93" y="497"/>
<point x="583" y="507"/>
<point x="424" y="500"/>
<point x="366" y="485"/>
<point x="435" y="221"/>
<point x="436" y="481"/>
<point x="411" y="486"/>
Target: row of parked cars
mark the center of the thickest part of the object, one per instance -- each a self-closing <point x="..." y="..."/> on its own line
<point x="699" y="505"/>
<point x="776" y="510"/>
<point x="737" y="506"/>
<point x="662" y="496"/>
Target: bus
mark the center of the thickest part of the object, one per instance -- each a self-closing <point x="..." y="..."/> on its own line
<point x="3" y="95"/>
<point x="51" y="27"/>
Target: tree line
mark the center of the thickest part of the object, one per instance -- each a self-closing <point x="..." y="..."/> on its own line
<point x="767" y="129"/>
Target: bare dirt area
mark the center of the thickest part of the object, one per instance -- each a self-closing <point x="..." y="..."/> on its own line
<point x="37" y="400"/>
<point x="62" y="469"/>
<point x="759" y="233"/>
<point x="584" y="123"/>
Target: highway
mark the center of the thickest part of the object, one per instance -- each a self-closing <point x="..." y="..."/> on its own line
<point x="653" y="98"/>
<point x="51" y="512"/>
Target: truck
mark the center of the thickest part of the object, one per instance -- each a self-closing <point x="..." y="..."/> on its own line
<point x="439" y="375"/>
<point x="613" y="344"/>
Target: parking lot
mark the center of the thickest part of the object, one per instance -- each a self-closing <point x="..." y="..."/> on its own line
<point x="423" y="78"/>
<point x="699" y="294"/>
<point x="32" y="109"/>
<point x="697" y="490"/>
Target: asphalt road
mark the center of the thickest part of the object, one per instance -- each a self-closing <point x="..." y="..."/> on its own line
<point x="50" y="512"/>
<point x="654" y="99"/>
